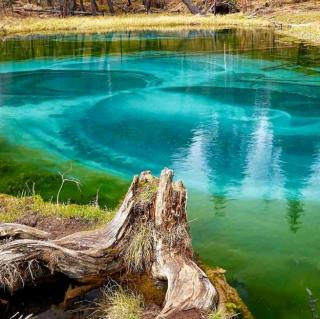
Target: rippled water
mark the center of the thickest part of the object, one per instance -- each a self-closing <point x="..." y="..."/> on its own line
<point x="235" y="113"/>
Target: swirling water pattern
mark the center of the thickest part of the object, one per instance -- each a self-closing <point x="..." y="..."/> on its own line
<point x="242" y="131"/>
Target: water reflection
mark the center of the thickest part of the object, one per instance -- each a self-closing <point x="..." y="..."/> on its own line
<point x="219" y="204"/>
<point x="312" y="184"/>
<point x="254" y="43"/>
<point x="294" y="212"/>
<point x="193" y="163"/>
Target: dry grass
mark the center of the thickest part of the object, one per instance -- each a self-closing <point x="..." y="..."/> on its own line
<point x="309" y="33"/>
<point x="147" y="191"/>
<point x="138" y="253"/>
<point x="118" y="303"/>
<point x="13" y="275"/>
<point x="303" y="25"/>
<point x="10" y="277"/>
<point x="298" y="18"/>
<point x="13" y="208"/>
<point x="161" y="22"/>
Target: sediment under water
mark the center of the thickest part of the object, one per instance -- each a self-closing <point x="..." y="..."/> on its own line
<point x="235" y="113"/>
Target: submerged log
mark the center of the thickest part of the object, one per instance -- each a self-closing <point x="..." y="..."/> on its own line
<point x="153" y="207"/>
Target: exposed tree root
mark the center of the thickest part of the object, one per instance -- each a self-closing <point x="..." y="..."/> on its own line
<point x="15" y="231"/>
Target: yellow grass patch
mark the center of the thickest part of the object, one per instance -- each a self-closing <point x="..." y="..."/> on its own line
<point x="303" y="25"/>
<point x="137" y="22"/>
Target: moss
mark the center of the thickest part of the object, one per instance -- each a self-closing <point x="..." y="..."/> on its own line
<point x="216" y="315"/>
<point x="231" y="304"/>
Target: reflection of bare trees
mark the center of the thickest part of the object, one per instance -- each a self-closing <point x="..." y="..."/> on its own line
<point x="219" y="202"/>
<point x="295" y="209"/>
<point x="228" y="41"/>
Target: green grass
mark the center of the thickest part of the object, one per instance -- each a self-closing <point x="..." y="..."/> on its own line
<point x="13" y="208"/>
<point x="86" y="212"/>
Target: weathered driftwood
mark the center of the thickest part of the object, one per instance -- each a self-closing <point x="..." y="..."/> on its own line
<point x="158" y="203"/>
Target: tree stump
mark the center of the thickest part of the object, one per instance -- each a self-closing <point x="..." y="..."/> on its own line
<point x="154" y="209"/>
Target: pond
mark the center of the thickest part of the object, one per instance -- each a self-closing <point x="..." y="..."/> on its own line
<point x="235" y="113"/>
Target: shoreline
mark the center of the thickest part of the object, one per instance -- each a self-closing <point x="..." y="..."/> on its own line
<point x="291" y="25"/>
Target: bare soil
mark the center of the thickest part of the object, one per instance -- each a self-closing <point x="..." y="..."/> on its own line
<point x="190" y="314"/>
<point x="57" y="227"/>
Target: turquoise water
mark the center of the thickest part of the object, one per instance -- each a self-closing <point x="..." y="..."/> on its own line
<point x="235" y="113"/>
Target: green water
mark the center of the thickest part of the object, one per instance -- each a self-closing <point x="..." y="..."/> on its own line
<point x="235" y="113"/>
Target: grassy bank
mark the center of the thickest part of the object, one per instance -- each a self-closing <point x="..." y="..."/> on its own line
<point x="163" y="22"/>
<point x="16" y="209"/>
<point x="303" y="25"/>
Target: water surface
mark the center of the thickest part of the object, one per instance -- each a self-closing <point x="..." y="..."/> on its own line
<point x="235" y="113"/>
